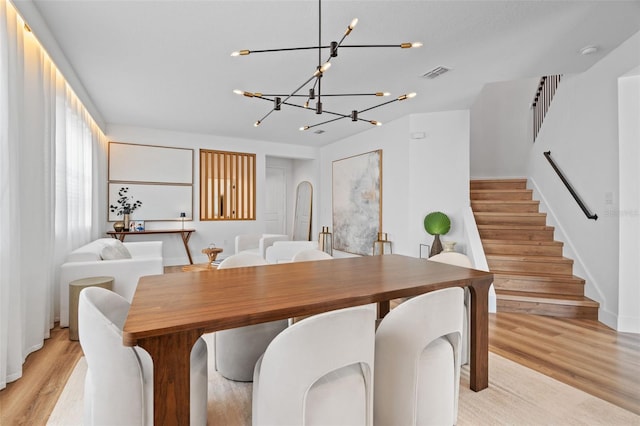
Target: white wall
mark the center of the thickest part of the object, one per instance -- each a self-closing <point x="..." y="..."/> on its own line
<point x="629" y="211"/>
<point x="221" y="233"/>
<point x="501" y="129"/>
<point x="418" y="176"/>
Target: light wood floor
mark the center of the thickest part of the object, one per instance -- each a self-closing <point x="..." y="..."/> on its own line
<point x="582" y="353"/>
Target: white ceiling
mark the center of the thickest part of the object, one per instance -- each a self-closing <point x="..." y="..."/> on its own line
<point x="167" y="64"/>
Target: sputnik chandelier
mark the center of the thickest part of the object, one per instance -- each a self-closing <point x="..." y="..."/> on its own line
<point x="314" y="83"/>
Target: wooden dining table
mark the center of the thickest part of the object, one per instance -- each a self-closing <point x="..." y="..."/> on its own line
<point x="170" y="312"/>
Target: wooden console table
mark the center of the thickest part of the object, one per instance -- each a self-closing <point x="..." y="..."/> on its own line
<point x="184" y="233"/>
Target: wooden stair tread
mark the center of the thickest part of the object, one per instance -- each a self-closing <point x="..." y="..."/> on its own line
<point x="539" y="277"/>
<point x="530" y="258"/>
<point x="556" y="299"/>
<point x="510" y="180"/>
<point x="519" y="227"/>
<point x="508" y="190"/>
<point x="506" y="201"/>
<point x="505" y="214"/>
<point x="523" y="242"/>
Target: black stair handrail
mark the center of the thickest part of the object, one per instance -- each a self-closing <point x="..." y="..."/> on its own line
<point x="573" y="192"/>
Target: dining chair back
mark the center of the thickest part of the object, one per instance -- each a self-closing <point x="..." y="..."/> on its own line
<point x="119" y="381"/>
<point x="238" y="349"/>
<point x="319" y="371"/>
<point x="417" y="361"/>
<point x="311" y="254"/>
<point x="459" y="259"/>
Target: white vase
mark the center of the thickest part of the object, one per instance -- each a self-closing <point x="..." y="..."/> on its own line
<point x="449" y="245"/>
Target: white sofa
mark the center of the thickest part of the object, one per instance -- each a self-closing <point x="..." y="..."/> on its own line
<point x="283" y="251"/>
<point x="87" y="261"/>
<point x="257" y="243"/>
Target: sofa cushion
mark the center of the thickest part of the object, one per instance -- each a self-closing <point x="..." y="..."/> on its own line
<point x="114" y="250"/>
<point x="89" y="252"/>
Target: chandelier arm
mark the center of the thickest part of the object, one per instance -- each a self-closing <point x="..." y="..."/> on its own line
<point x="323" y="111"/>
<point x="351" y="94"/>
<point x="266" y="115"/>
<point x="379" y="105"/>
<point x="330" y="94"/>
<point x="326" y="122"/>
<point x="372" y="45"/>
<point x="288" y="49"/>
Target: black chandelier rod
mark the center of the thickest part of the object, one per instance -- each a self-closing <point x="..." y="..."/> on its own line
<point x="330" y="94"/>
<point x="289" y="49"/>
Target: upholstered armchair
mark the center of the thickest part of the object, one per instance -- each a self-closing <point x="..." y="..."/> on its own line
<point x="257" y="243"/>
<point x="284" y="251"/>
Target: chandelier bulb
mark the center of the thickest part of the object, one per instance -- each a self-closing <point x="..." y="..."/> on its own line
<point x="240" y="52"/>
<point x="410" y="45"/>
<point x="383" y="94"/>
<point x="407" y="96"/>
<point x="306" y="104"/>
<point x="257" y="123"/>
<point x="375" y="123"/>
<point x="303" y="128"/>
<point x="238" y="92"/>
<point x="322" y="69"/>
<point x="351" y="26"/>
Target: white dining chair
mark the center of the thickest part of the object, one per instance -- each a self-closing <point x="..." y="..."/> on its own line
<point x="119" y="382"/>
<point x="311" y="254"/>
<point x="319" y="371"/>
<point x="459" y="259"/>
<point x="417" y="361"/>
<point x="238" y="349"/>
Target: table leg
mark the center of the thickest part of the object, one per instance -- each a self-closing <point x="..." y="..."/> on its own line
<point x="383" y="308"/>
<point x="185" y="240"/>
<point x="171" y="356"/>
<point x="479" y="353"/>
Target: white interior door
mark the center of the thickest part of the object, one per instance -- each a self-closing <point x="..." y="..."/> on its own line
<point x="275" y="201"/>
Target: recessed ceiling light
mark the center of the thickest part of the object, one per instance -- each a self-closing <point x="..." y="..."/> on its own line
<point x="588" y="50"/>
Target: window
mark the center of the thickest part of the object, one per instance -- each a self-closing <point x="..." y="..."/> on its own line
<point x="227" y="185"/>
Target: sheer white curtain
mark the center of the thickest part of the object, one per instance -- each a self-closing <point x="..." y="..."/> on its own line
<point x="51" y="157"/>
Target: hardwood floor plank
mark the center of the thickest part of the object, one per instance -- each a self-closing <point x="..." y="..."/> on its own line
<point x="581" y="353"/>
<point x="30" y="399"/>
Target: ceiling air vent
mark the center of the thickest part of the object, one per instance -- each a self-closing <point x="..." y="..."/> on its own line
<point x="436" y="72"/>
<point x="319" y="132"/>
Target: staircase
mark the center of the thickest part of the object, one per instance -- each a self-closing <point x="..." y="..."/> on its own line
<point x="531" y="275"/>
